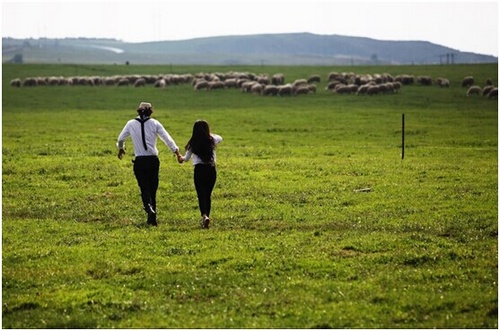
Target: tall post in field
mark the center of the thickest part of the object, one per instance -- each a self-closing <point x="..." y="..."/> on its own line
<point x="402" y="136"/>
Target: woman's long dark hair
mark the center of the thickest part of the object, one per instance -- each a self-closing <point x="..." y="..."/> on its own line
<point x="201" y="142"/>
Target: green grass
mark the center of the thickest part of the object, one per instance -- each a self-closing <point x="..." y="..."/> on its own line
<point x="293" y="245"/>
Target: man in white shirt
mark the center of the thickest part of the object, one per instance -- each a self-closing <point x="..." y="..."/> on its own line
<point x="144" y="130"/>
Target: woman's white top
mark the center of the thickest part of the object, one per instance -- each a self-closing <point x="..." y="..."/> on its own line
<point x="196" y="158"/>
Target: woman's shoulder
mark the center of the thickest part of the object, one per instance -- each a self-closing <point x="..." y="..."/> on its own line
<point x="217" y="138"/>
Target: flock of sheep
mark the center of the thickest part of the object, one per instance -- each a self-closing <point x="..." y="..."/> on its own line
<point x="117" y="80"/>
<point x="264" y="84"/>
<point x="489" y="90"/>
<point x="275" y="85"/>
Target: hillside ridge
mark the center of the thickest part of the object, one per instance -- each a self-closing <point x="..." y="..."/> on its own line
<point x="271" y="49"/>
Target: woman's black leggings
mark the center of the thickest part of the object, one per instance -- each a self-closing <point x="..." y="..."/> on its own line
<point x="205" y="176"/>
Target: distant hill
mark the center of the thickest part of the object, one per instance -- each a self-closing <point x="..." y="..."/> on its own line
<point x="268" y="49"/>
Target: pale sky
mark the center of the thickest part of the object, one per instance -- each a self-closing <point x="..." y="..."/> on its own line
<point x="469" y="26"/>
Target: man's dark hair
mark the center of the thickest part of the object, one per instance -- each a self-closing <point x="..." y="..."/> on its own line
<point x="145" y="112"/>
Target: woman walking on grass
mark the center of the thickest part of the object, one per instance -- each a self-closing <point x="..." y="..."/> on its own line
<point x="201" y="148"/>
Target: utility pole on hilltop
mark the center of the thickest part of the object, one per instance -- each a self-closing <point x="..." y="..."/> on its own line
<point x="450" y="58"/>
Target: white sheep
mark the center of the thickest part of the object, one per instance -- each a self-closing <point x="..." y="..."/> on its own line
<point x="247" y="85"/>
<point x="385" y="88"/>
<point x="424" y="80"/>
<point x="474" y="89"/>
<point x="30" y="81"/>
<point x="67" y="81"/>
<point x="278" y="79"/>
<point x="16" y="82"/>
<point x="314" y="79"/>
<point x="301" y="89"/>
<point x="270" y="90"/>
<point x="123" y="82"/>
<point x="160" y="83"/>
<point x="362" y="89"/>
<point x="140" y="82"/>
<point x="405" y="79"/>
<point x="372" y="90"/>
<point x="487" y="89"/>
<point x="285" y="89"/>
<point x="263" y="80"/>
<point x="109" y="81"/>
<point x="493" y="94"/>
<point x="333" y="76"/>
<point x="52" y="81"/>
<point x="353" y="88"/>
<point x="215" y="85"/>
<point x="342" y="89"/>
<point x="468" y="81"/>
<point x="257" y="88"/>
<point x="331" y="85"/>
<point x="443" y="82"/>
<point x="230" y="83"/>
<point x="201" y="84"/>
<point x="299" y="82"/>
<point x="397" y="86"/>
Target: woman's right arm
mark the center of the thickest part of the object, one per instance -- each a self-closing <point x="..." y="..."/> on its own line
<point x="188" y="155"/>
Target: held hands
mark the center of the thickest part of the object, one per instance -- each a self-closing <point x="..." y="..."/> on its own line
<point x="180" y="158"/>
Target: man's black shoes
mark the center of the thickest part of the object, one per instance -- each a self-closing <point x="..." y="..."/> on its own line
<point x="151" y="215"/>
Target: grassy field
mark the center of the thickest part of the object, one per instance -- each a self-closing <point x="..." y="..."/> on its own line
<point x="293" y="243"/>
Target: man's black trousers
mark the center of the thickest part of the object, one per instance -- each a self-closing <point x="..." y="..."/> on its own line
<point x="146" y="169"/>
